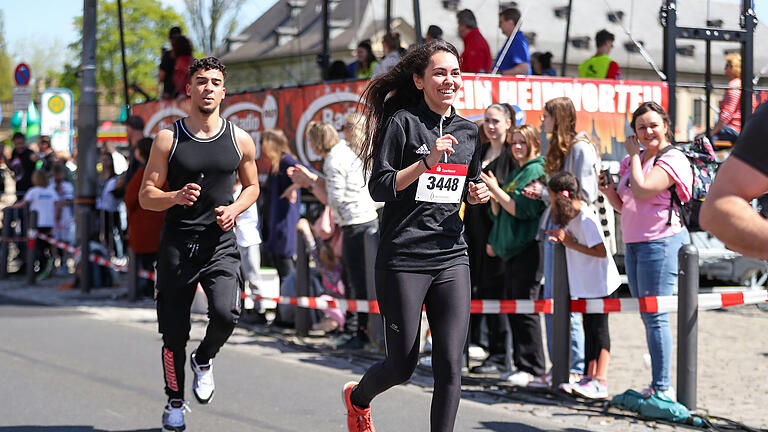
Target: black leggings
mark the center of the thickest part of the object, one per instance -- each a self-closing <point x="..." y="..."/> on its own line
<point x="445" y="293"/>
<point x="596" y="336"/>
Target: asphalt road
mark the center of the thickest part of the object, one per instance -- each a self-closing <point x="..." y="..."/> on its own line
<point x="65" y="370"/>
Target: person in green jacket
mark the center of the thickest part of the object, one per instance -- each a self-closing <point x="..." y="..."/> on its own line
<point x="513" y="238"/>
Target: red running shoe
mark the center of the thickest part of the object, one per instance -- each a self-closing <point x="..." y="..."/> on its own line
<point x="358" y="419"/>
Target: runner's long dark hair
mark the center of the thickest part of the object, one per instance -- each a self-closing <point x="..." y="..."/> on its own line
<point x="393" y="91"/>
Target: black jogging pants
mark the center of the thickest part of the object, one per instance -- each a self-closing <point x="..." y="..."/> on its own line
<point x="401" y="295"/>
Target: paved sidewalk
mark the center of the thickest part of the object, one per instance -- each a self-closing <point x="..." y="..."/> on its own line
<point x="733" y="359"/>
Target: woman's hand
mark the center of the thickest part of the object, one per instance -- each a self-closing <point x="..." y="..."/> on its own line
<point x="559" y="235"/>
<point x="489" y="250"/>
<point x="443" y="145"/>
<point x="490" y="180"/>
<point x="605" y="183"/>
<point x="534" y="189"/>
<point x="632" y="145"/>
<point x="478" y="193"/>
<point x="300" y="175"/>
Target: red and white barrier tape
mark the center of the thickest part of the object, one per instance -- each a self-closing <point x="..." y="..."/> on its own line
<point x="93" y="257"/>
<point x="645" y="304"/>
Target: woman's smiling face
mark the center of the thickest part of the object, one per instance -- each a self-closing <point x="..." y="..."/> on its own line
<point x="441" y="81"/>
<point x="651" y="130"/>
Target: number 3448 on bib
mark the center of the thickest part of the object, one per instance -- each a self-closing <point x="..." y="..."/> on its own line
<point x="444" y="183"/>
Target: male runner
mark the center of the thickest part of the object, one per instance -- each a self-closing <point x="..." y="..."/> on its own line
<point x="199" y="157"/>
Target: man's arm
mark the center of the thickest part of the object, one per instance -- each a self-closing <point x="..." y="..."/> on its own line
<point x="727" y="214"/>
<point x="518" y="69"/>
<point x="151" y="197"/>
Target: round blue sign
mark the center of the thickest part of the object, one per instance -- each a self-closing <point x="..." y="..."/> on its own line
<point x="22" y="74"/>
<point x="519" y="115"/>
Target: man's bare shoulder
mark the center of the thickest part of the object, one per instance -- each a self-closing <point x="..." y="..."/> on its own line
<point x="164" y="140"/>
<point x="244" y="141"/>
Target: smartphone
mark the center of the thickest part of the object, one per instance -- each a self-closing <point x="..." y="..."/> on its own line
<point x="605" y="178"/>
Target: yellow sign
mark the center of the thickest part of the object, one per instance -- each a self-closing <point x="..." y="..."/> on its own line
<point x="56" y="104"/>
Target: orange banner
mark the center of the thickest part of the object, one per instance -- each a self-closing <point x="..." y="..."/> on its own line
<point x="604" y="107"/>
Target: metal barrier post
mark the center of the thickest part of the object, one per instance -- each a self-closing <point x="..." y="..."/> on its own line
<point x="32" y="247"/>
<point x="85" y="221"/>
<point x="375" y="326"/>
<point x="4" y="243"/>
<point x="687" y="324"/>
<point x="302" y="318"/>
<point x="133" y="275"/>
<point x="561" y="319"/>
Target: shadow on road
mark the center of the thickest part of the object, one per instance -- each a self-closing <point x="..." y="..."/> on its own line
<point x="66" y="429"/>
<point x="497" y="426"/>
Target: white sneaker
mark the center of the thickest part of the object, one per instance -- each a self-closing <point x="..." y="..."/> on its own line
<point x="517" y="378"/>
<point x="173" y="415"/>
<point x="573" y="381"/>
<point x="542" y="381"/>
<point x="591" y="389"/>
<point x="202" y="384"/>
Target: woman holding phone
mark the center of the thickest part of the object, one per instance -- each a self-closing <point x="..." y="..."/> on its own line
<point x="651" y="228"/>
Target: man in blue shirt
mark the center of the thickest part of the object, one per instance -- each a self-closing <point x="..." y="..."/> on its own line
<point x="517" y="59"/>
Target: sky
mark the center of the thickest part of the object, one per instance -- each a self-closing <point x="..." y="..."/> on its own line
<point x="49" y="22"/>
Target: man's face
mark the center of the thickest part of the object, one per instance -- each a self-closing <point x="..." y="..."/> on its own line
<point x="19" y="143"/>
<point x="44" y="145"/>
<point x="607" y="46"/>
<point x="506" y="26"/>
<point x="206" y="90"/>
<point x="463" y="29"/>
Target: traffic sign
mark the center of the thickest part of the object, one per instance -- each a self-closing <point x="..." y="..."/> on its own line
<point x="22" y="74"/>
<point x="21" y="98"/>
<point x="56" y="114"/>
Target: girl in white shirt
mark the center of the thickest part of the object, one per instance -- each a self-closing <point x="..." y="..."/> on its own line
<point x="591" y="274"/>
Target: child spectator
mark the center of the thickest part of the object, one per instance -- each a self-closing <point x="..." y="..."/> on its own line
<point x="64" y="226"/>
<point x="324" y="245"/>
<point x="592" y="274"/>
<point x="249" y="243"/>
<point x="109" y="206"/>
<point x="41" y="199"/>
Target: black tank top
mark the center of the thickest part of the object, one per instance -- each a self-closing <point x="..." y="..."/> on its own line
<point x="210" y="162"/>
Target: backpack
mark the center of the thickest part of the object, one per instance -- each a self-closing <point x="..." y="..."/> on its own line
<point x="701" y="157"/>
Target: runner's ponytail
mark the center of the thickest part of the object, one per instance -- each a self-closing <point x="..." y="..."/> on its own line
<point x="393" y="91"/>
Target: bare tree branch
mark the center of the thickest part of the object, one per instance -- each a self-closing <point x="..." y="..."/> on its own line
<point x="208" y="17"/>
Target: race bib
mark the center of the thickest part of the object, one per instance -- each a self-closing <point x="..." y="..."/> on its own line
<point x="444" y="183"/>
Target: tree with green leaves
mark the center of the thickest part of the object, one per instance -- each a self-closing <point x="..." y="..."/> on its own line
<point x="212" y="21"/>
<point x="6" y="78"/>
<point x="146" y="24"/>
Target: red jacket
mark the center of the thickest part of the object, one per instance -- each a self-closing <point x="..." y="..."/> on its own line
<point x="144" y="226"/>
<point x="477" y="54"/>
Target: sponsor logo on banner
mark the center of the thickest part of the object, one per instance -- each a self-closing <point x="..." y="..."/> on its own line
<point x="332" y="108"/>
<point x="253" y="118"/>
<point x="531" y="94"/>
